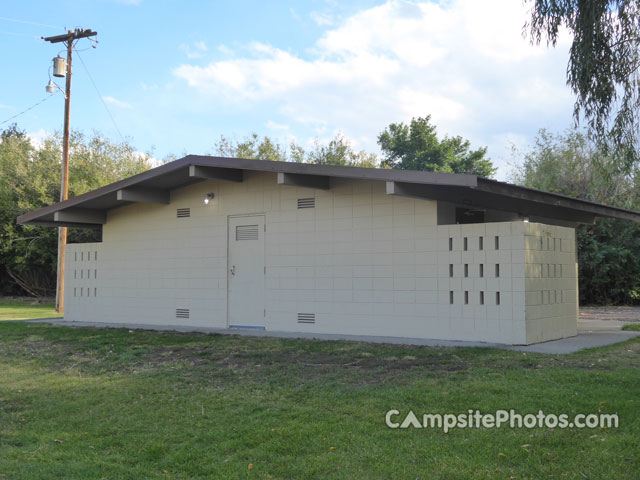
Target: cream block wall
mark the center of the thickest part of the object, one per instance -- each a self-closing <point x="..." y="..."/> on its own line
<point x="366" y="263"/>
<point x="551" y="282"/>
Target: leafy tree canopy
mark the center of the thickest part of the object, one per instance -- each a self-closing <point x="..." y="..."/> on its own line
<point x="338" y="151"/>
<point x="416" y="147"/>
<point x="30" y="179"/>
<point x="603" y="69"/>
<point x="609" y="251"/>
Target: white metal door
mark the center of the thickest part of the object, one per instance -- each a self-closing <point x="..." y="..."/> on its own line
<point x="246" y="271"/>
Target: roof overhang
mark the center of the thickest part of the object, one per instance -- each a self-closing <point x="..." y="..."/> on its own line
<point x="153" y="186"/>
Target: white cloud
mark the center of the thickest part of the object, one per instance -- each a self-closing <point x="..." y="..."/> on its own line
<point x="195" y="50"/>
<point x="153" y="161"/>
<point x="38" y="138"/>
<point x="294" y="14"/>
<point x="322" y="19"/>
<point x="276" y="126"/>
<point x="464" y="62"/>
<point x="116" y="103"/>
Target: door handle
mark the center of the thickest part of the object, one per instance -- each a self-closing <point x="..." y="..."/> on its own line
<point x="233" y="270"/>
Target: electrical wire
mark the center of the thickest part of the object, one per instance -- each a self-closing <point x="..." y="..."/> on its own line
<point x="14" y="34"/>
<point x="15" y="20"/>
<point x="100" y="95"/>
<point x="26" y="110"/>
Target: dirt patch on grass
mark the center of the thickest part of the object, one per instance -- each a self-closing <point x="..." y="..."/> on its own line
<point x="621" y="314"/>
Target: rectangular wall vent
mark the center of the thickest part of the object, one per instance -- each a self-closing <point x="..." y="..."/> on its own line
<point x="182" y="313"/>
<point x="306" y="318"/>
<point x="183" y="212"/>
<point x="306" y="203"/>
<point x="247" y="232"/>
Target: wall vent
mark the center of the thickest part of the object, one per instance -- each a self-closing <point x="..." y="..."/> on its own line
<point x="306" y="203"/>
<point x="183" y="212"/>
<point x="182" y="313"/>
<point x="306" y="318"/>
<point x="247" y="232"/>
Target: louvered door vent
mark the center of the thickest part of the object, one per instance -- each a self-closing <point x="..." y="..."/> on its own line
<point x="247" y="232"/>
<point x="183" y="212"/>
<point x="306" y="203"/>
<point x="182" y="313"/>
<point x="306" y="318"/>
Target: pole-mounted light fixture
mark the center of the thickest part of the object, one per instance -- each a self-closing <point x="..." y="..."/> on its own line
<point x="51" y="88"/>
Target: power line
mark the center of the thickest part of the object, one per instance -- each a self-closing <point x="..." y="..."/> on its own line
<point x="14" y="34"/>
<point x="99" y="95"/>
<point x="15" y="20"/>
<point x="25" y="111"/>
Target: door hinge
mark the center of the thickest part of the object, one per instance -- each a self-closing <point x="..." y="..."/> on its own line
<point x="265" y="270"/>
<point x="265" y="227"/>
<point x="265" y="312"/>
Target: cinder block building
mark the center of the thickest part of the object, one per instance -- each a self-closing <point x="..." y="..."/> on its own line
<point x="235" y="243"/>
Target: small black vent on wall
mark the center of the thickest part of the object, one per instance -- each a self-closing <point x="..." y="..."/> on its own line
<point x="183" y="212"/>
<point x="306" y="203"/>
<point x="182" y="313"/>
<point x="306" y="318"/>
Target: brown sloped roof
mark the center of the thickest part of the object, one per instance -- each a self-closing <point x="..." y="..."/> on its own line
<point x="463" y="189"/>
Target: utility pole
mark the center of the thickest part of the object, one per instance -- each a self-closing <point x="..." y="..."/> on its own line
<point x="68" y="40"/>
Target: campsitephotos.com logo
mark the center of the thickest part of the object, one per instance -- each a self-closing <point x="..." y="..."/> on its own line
<point x="499" y="419"/>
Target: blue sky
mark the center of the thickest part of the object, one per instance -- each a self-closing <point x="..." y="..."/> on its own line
<point x="177" y="75"/>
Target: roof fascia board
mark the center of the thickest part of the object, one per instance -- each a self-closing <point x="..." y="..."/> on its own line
<point x="555" y="199"/>
<point x="437" y="178"/>
<point x="469" y="197"/>
<point x="111" y="188"/>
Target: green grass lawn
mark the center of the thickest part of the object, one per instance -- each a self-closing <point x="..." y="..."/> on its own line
<point x="21" y="310"/>
<point x="84" y="403"/>
<point x="632" y="326"/>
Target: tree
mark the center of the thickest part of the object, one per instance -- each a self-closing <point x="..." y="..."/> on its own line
<point x="604" y="65"/>
<point x="416" y="147"/>
<point x="337" y="152"/>
<point x="252" y="147"/>
<point x="30" y="179"/>
<point x="609" y="250"/>
<point x="340" y="152"/>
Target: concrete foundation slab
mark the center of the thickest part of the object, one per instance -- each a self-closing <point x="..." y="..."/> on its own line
<point x="592" y="332"/>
